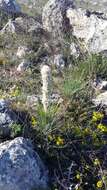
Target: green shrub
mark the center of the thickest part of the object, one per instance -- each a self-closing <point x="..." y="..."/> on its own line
<point x="16" y="129"/>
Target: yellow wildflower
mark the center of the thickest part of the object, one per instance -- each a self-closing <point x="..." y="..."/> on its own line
<point x="59" y="141"/>
<point x="96" y="162"/>
<point x="50" y="137"/>
<point x="97" y="116"/>
<point x="78" y="176"/>
<point x="99" y="183"/>
<point x="102" y="127"/>
<point x="87" y="167"/>
<point x="87" y="131"/>
<point x="33" y="121"/>
<point x="15" y="91"/>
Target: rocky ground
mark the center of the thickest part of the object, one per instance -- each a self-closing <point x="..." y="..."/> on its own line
<point x="53" y="95"/>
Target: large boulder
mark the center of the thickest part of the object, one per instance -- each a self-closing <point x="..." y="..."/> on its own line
<point x="89" y="29"/>
<point x="20" y="166"/>
<point x="10" y="6"/>
<point x="84" y="22"/>
<point x="54" y="16"/>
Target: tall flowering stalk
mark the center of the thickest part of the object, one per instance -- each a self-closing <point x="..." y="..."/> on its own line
<point x="47" y="86"/>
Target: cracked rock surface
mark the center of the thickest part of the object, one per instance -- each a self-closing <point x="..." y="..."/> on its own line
<point x="20" y="166"/>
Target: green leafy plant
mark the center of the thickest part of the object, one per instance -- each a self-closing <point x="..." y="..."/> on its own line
<point x="46" y="120"/>
<point x="16" y="129"/>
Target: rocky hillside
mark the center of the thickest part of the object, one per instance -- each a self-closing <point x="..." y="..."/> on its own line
<point x="53" y="95"/>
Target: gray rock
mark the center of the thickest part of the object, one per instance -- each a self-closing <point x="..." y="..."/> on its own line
<point x="89" y="30"/>
<point x="101" y="100"/>
<point x="32" y="101"/>
<point x="20" y="166"/>
<point x="54" y="16"/>
<point x="59" y="61"/>
<point x="3" y="105"/>
<point x="22" y="51"/>
<point x="56" y="99"/>
<point x="74" y="50"/>
<point x="10" y="6"/>
<point x="5" y="119"/>
<point x="100" y="85"/>
<point x="23" y="66"/>
<point x="87" y="25"/>
<point x="100" y="91"/>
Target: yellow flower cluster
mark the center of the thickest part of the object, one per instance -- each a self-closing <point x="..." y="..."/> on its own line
<point x="100" y="184"/>
<point x="102" y="127"/>
<point x="51" y="137"/>
<point x="33" y="121"/>
<point x="96" y="162"/>
<point x="97" y="116"/>
<point x="15" y="91"/>
<point x="78" y="176"/>
<point x="58" y="140"/>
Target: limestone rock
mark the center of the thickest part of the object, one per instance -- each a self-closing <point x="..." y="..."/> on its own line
<point x="21" y="167"/>
<point x="23" y="66"/>
<point x="21" y="52"/>
<point x="32" y="101"/>
<point x="54" y="16"/>
<point x="56" y="99"/>
<point x="101" y="99"/>
<point x="86" y="26"/>
<point x="89" y="30"/>
<point x="74" y="50"/>
<point x="100" y="85"/>
<point x="59" y="61"/>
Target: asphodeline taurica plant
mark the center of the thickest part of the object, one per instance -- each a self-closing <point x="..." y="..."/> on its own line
<point x="46" y="86"/>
